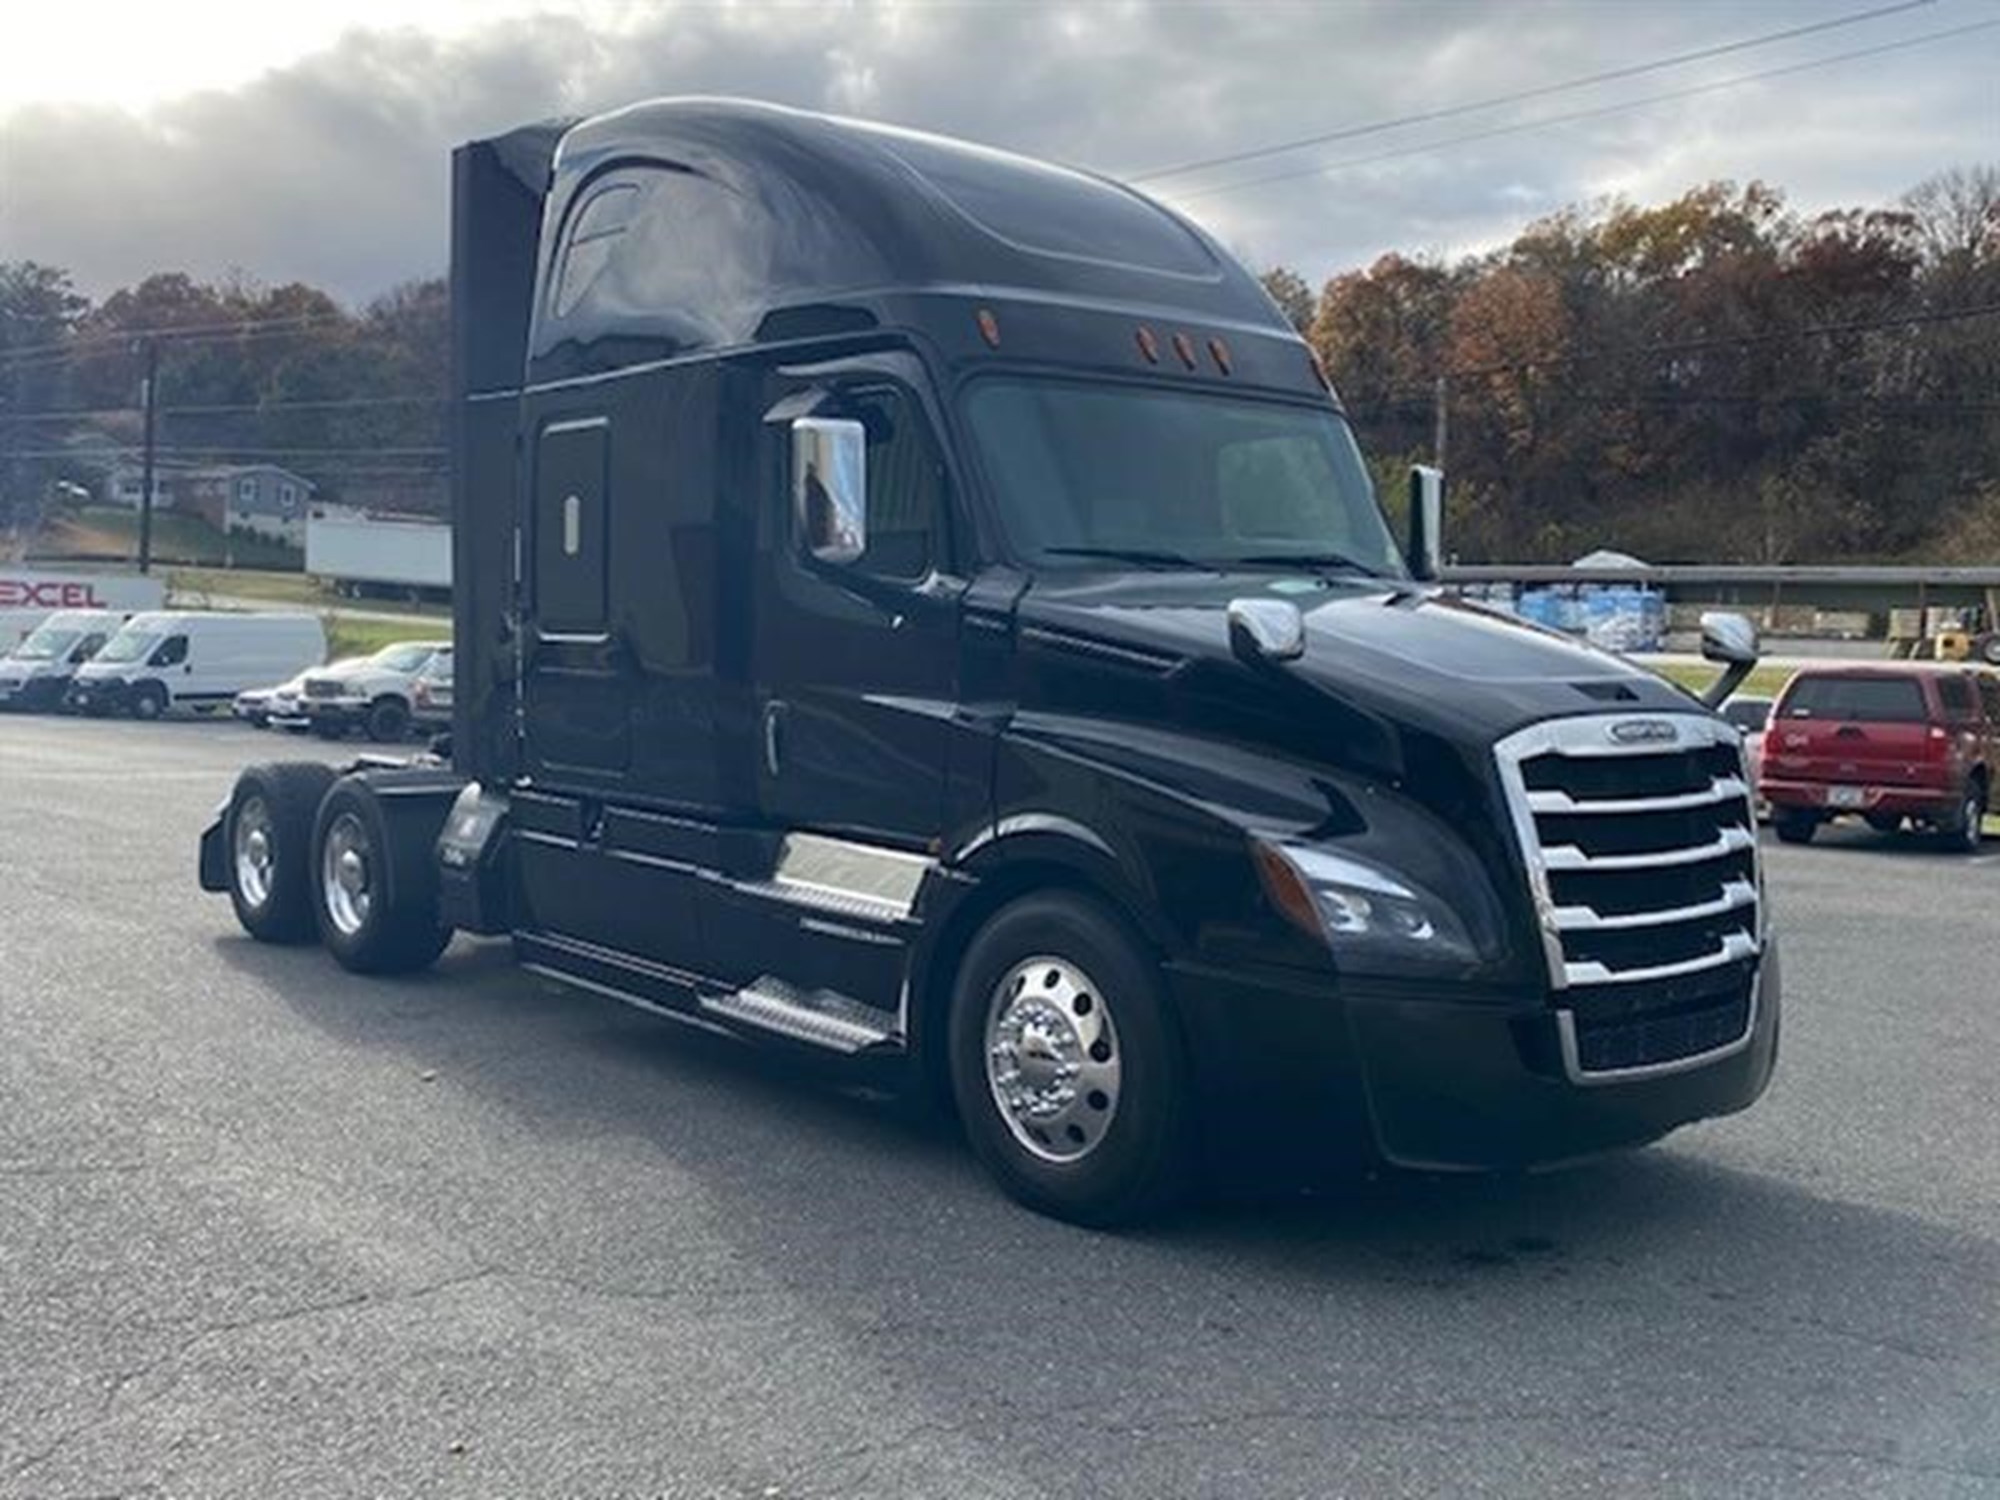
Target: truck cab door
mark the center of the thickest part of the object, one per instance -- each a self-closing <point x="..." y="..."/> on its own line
<point x="853" y="679"/>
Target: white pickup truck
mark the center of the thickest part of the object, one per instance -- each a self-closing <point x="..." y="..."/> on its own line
<point x="370" y="693"/>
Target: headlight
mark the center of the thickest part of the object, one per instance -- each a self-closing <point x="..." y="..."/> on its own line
<point x="1373" y="918"/>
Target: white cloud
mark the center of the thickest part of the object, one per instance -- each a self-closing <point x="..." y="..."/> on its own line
<point x="318" y="152"/>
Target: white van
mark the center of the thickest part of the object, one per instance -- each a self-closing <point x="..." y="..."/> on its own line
<point x="37" y="672"/>
<point x="194" y="660"/>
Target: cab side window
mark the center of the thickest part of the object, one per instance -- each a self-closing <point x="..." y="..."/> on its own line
<point x="1955" y="696"/>
<point x="906" y="485"/>
<point x="1989" y="695"/>
<point x="86" y="648"/>
<point x="171" y="653"/>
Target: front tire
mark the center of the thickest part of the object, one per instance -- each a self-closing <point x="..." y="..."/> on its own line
<point x="1065" y="1066"/>
<point x="149" y="701"/>
<point x="375" y="883"/>
<point x="388" y="720"/>
<point x="268" y="831"/>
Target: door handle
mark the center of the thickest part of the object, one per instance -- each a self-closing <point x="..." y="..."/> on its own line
<point x="774" y="750"/>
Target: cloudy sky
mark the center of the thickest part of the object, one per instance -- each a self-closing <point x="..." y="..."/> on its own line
<point x="304" y="140"/>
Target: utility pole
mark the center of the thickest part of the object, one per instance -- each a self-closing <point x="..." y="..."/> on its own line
<point x="149" y="397"/>
<point x="1440" y="400"/>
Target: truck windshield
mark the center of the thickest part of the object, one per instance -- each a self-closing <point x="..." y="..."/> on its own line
<point x="47" y="644"/>
<point x="1175" y="478"/>
<point x="128" y="645"/>
<point x="403" y="658"/>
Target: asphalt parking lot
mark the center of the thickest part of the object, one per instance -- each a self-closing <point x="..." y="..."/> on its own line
<point x="266" y="1229"/>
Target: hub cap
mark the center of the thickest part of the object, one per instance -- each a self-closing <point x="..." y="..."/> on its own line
<point x="1052" y="1058"/>
<point x="347" y="875"/>
<point x="254" y="849"/>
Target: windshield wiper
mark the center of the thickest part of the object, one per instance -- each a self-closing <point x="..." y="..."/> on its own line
<point x="1146" y="555"/>
<point x="1311" y="561"/>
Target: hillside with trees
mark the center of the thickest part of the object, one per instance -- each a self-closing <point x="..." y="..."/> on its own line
<point x="1716" y="377"/>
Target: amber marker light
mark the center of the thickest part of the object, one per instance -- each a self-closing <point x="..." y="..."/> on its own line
<point x="1219" y="352"/>
<point x="1148" y="345"/>
<point x="989" y="327"/>
<point x="1184" y="347"/>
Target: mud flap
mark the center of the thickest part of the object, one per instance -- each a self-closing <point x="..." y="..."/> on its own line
<point x="214" y="863"/>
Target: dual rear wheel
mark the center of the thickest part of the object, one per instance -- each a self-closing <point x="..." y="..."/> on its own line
<point x="315" y="855"/>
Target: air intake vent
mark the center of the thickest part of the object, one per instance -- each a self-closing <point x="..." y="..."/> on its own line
<point x="1607" y="692"/>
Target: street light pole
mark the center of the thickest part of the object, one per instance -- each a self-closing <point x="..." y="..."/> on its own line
<point x="148" y="390"/>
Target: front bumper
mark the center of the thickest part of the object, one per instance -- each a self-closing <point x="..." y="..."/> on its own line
<point x="331" y="713"/>
<point x="33" y="693"/>
<point x="1312" y="1081"/>
<point x="97" y="695"/>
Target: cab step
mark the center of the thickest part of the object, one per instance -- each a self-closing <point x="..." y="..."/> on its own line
<point x="820" y="1018"/>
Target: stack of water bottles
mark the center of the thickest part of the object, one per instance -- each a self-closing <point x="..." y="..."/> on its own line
<point x="1621" y="617"/>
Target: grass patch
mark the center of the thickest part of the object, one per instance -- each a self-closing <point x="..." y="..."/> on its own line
<point x="1763" y="682"/>
<point x="357" y="635"/>
<point x="111" y="531"/>
<point x="192" y="585"/>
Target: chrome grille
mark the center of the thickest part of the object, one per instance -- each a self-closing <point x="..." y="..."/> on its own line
<point x="1641" y="849"/>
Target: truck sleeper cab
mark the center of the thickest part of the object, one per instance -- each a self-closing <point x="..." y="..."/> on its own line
<point x="925" y="608"/>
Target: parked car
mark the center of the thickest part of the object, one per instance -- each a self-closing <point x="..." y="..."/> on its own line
<point x="260" y="706"/>
<point x="369" y="693"/>
<point x="37" y="672"/>
<point x="184" y="658"/>
<point x="1893" y="745"/>
<point x="1750" y="715"/>
<point x="430" y="694"/>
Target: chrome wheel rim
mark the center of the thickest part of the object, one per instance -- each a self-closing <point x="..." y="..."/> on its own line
<point x="347" y="875"/>
<point x="255" y="850"/>
<point x="1053" y="1063"/>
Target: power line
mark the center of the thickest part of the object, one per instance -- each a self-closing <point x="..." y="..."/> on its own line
<point x="343" y="403"/>
<point x="240" y="328"/>
<point x="1730" y="341"/>
<point x="1426" y="117"/>
<point x="222" y="453"/>
<point x="1544" y="122"/>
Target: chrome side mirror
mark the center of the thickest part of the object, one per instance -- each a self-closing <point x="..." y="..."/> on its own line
<point x="1425" y="550"/>
<point x="830" y="488"/>
<point x="1731" y="640"/>
<point x="1728" y="638"/>
<point x="1266" y="630"/>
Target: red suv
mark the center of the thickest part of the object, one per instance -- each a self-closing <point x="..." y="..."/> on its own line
<point x="1887" y="744"/>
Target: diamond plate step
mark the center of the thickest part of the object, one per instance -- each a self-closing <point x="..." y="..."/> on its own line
<point x="819" y="1017"/>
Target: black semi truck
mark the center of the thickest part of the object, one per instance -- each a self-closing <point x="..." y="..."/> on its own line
<point x="926" y="608"/>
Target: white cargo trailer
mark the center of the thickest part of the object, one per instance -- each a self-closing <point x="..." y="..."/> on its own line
<point x="372" y="555"/>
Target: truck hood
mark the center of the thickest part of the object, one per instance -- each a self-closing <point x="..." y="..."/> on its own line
<point x="347" y="669"/>
<point x="1384" y="663"/>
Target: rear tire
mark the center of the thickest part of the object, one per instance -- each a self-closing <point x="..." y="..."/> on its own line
<point x="268" y="833"/>
<point x="1793" y="826"/>
<point x="375" y="881"/>
<point x="1962" y="834"/>
<point x="1065" y="1065"/>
